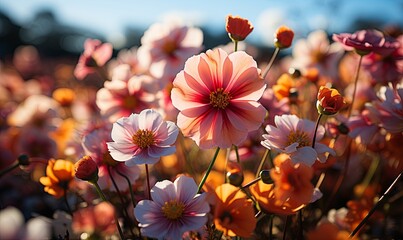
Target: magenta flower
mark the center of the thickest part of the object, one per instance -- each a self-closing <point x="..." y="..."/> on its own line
<point x="175" y="209"/>
<point x="166" y="46"/>
<point x="294" y="136"/>
<point x="385" y="68"/>
<point x="217" y="95"/>
<point x="142" y="138"/>
<point x="366" y="41"/>
<point x="127" y="93"/>
<point x="95" y="54"/>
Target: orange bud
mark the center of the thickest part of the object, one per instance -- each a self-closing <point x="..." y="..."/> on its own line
<point x="329" y="101"/>
<point x="238" y="28"/>
<point x="283" y="37"/>
<point x="86" y="169"/>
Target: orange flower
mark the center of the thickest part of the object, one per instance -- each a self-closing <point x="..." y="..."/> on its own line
<point x="283" y="37"/>
<point x="329" y="101"/>
<point x="264" y="194"/>
<point x="283" y="86"/>
<point x="64" y="96"/>
<point x="327" y="231"/>
<point x="234" y="213"/>
<point x="238" y="28"/>
<point x="292" y="183"/>
<point x="59" y="173"/>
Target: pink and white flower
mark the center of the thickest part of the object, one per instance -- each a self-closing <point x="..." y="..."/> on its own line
<point x="217" y="95"/>
<point x="127" y="93"/>
<point x="166" y="46"/>
<point x="175" y="208"/>
<point x="95" y="54"/>
<point x="94" y="145"/>
<point x="294" y="136"/>
<point x="142" y="138"/>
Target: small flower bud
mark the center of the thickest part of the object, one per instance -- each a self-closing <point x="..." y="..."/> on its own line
<point x="23" y="160"/>
<point x="238" y="28"/>
<point x="234" y="174"/>
<point x="329" y="101"/>
<point x="295" y="73"/>
<point x="265" y="176"/>
<point x="343" y="128"/>
<point x="235" y="179"/>
<point x="86" y="169"/>
<point x="283" y="37"/>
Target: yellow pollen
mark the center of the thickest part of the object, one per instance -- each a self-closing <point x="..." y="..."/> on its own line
<point x="143" y="138"/>
<point x="219" y="98"/>
<point x="173" y="209"/>
<point x="300" y="137"/>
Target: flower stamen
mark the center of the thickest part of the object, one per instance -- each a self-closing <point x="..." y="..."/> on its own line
<point x="143" y="138"/>
<point x="219" y="98"/>
<point x="173" y="209"/>
<point x="300" y="137"/>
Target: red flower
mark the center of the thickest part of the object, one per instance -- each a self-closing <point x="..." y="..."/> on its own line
<point x="86" y="169"/>
<point x="238" y="28"/>
<point x="283" y="37"/>
<point x="329" y="101"/>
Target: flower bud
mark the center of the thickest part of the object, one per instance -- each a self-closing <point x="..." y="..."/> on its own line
<point x="329" y="101"/>
<point x="283" y="37"/>
<point x="265" y="176"/>
<point x="23" y="160"/>
<point x="234" y="174"/>
<point x="238" y="28"/>
<point x="86" y="169"/>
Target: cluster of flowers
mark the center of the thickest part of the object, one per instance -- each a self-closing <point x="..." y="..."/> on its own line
<point x="126" y="156"/>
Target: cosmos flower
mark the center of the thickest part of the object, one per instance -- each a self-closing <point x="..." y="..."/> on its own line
<point x="98" y="220"/>
<point x="238" y="28"/>
<point x="59" y="173"/>
<point x="294" y="136"/>
<point x="94" y="145"/>
<point x="166" y="46"/>
<point x="366" y="41"/>
<point x="283" y="37"/>
<point x="142" y="138"/>
<point x="217" y="95"/>
<point x="233" y="213"/>
<point x="95" y="54"/>
<point x="329" y="101"/>
<point x="127" y="93"/>
<point x="174" y="209"/>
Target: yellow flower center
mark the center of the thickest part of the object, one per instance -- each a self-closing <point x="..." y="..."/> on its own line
<point x="219" y="98"/>
<point x="143" y="138"/>
<point x="173" y="209"/>
<point x="300" y="137"/>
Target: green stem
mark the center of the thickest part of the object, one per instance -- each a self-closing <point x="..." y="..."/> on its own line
<point x="380" y="201"/>
<point x="238" y="159"/>
<point x="148" y="183"/>
<point x="9" y="169"/>
<point x="266" y="153"/>
<point x="130" y="187"/>
<point x="287" y="221"/>
<point x="251" y="182"/>
<point x="270" y="64"/>
<point x="355" y="87"/>
<point x="316" y="129"/>
<point x="235" y="45"/>
<point x="300" y="224"/>
<point x="210" y="167"/>
<point x="67" y="203"/>
<point x="101" y="194"/>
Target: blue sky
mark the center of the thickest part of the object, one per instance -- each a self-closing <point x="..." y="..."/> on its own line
<point x="110" y="18"/>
